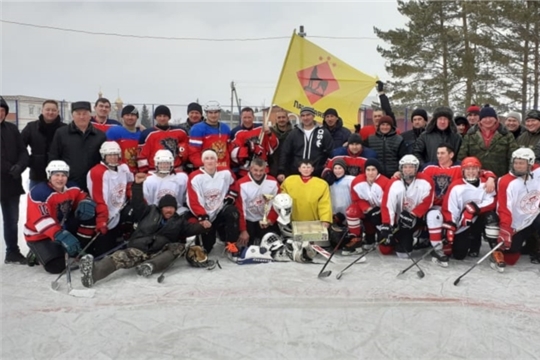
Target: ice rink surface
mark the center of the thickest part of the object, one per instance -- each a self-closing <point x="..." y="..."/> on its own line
<point x="276" y="311"/>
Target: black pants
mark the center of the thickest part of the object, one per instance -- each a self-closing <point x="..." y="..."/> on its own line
<point x="226" y="225"/>
<point x="526" y="237"/>
<point x="403" y="239"/>
<point x="10" y="215"/>
<point x="256" y="233"/>
<point x="469" y="240"/>
<point x="49" y="254"/>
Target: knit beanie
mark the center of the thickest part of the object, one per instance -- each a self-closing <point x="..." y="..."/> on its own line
<point x="194" y="107"/>
<point x="167" y="200"/>
<point x="341" y="163"/>
<point x="331" y="111"/>
<point x="533" y="114"/>
<point x="443" y="111"/>
<point x="130" y="109"/>
<point x="473" y="109"/>
<point x="386" y="120"/>
<point x="162" y="110"/>
<point x="355" y="139"/>
<point x="308" y="109"/>
<point x="514" y="115"/>
<point x="4" y="104"/>
<point x="373" y="162"/>
<point x="488" y="111"/>
<point x="419" y="112"/>
<point x="461" y="120"/>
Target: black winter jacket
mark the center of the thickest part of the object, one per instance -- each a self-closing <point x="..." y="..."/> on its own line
<point x="39" y="135"/>
<point x="273" y="159"/>
<point x="153" y="232"/>
<point x="318" y="148"/>
<point x="390" y="148"/>
<point x="339" y="133"/>
<point x="80" y="151"/>
<point x="410" y="138"/>
<point x="12" y="152"/>
<point x="425" y="148"/>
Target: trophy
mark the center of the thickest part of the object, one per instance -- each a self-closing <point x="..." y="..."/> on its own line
<point x="267" y="201"/>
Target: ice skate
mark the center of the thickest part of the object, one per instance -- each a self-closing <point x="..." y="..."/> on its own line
<point x="439" y="258"/>
<point x="497" y="261"/>
<point x="353" y="247"/>
<point x="232" y="252"/>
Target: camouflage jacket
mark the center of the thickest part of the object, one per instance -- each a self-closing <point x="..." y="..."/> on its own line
<point x="497" y="156"/>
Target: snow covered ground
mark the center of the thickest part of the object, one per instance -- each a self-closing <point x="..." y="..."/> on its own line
<point x="276" y="311"/>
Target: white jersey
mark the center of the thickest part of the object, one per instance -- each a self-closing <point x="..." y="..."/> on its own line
<point x="175" y="184"/>
<point x="459" y="194"/>
<point x="108" y="189"/>
<point x="340" y="193"/>
<point x="416" y="198"/>
<point x="205" y="193"/>
<point x="250" y="201"/>
<point x="518" y="203"/>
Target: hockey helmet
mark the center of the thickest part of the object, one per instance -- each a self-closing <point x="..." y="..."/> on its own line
<point x="523" y="154"/>
<point x="282" y="204"/>
<point x="110" y="148"/>
<point x="408" y="160"/>
<point x="468" y="163"/>
<point x="212" y="106"/>
<point x="163" y="161"/>
<point x="286" y="230"/>
<point x="57" y="166"/>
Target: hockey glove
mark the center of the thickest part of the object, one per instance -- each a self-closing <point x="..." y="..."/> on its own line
<point x="386" y="232"/>
<point x="228" y="200"/>
<point x="86" y="210"/>
<point x="505" y="236"/>
<point x="380" y="86"/>
<point x="374" y="215"/>
<point x="450" y="229"/>
<point x="68" y="242"/>
<point x="470" y="211"/>
<point x="254" y="148"/>
<point x="407" y="220"/>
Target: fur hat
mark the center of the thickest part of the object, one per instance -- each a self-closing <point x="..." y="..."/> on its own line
<point x="533" y="114"/>
<point x="443" y="111"/>
<point x="419" y="112"/>
<point x="167" y="200"/>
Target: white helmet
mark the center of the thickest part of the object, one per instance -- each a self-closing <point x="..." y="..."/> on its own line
<point x="286" y="230"/>
<point x="163" y="157"/>
<point x="282" y="204"/>
<point x="212" y="106"/>
<point x="56" y="166"/>
<point x="408" y="160"/>
<point x="524" y="154"/>
<point x="110" y="148"/>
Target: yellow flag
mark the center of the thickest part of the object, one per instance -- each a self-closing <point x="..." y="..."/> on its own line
<point x="313" y="77"/>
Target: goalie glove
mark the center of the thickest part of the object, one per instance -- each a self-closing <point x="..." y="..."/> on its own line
<point x="470" y="211"/>
<point x="505" y="236"/>
<point x="450" y="231"/>
<point x="407" y="220"/>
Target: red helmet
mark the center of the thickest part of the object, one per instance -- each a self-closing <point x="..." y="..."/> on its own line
<point x="471" y="162"/>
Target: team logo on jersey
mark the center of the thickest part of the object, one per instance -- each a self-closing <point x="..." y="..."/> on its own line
<point x="130" y="157"/>
<point x="408" y="203"/>
<point x="212" y="199"/>
<point x="529" y="202"/>
<point x="118" y="195"/>
<point x="220" y="147"/>
<point x="256" y="206"/>
<point x="63" y="209"/>
<point x="170" y="144"/>
<point x="441" y="184"/>
<point x="354" y="170"/>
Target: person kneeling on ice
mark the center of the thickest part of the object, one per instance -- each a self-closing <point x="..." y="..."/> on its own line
<point x="55" y="210"/>
<point x="364" y="214"/>
<point x="518" y="205"/>
<point x="404" y="204"/>
<point x="157" y="241"/>
<point x="467" y="209"/>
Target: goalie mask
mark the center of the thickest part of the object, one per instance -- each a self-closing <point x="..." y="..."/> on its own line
<point x="110" y="153"/>
<point x="522" y="168"/>
<point x="196" y="256"/>
<point x="470" y="168"/>
<point x="282" y="205"/>
<point x="163" y="162"/>
<point x="408" y="173"/>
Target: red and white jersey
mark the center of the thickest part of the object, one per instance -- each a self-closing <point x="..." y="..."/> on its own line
<point x="442" y="178"/>
<point x="205" y="192"/>
<point x="518" y="203"/>
<point x="416" y="198"/>
<point x="153" y="139"/>
<point x="366" y="195"/>
<point x="175" y="184"/>
<point x="340" y="194"/>
<point x="250" y="200"/>
<point x="460" y="193"/>
<point x="46" y="208"/>
<point x="355" y="164"/>
<point x="240" y="152"/>
<point x="108" y="188"/>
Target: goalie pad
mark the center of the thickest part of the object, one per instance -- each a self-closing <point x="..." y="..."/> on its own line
<point x="254" y="255"/>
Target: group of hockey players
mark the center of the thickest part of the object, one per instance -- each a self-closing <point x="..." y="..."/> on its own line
<point x="117" y="196"/>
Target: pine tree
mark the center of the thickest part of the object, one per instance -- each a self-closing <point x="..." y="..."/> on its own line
<point x="145" y="117"/>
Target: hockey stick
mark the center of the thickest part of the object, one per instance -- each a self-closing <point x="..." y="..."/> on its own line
<point x="327" y="273"/>
<point x="422" y="258"/>
<point x="477" y="263"/>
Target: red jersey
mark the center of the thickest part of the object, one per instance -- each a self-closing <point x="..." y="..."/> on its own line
<point x="153" y="139"/>
<point x="104" y="126"/>
<point x="129" y="143"/>
<point x="355" y="164"/>
<point x="47" y="208"/>
<point x="240" y="151"/>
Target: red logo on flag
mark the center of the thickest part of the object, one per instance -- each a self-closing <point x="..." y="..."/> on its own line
<point x="318" y="81"/>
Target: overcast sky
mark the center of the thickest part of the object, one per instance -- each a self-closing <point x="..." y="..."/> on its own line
<point x="63" y="65"/>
